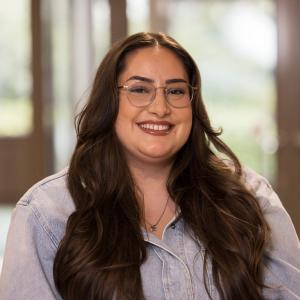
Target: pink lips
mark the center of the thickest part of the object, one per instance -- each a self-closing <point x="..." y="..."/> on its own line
<point x="159" y="128"/>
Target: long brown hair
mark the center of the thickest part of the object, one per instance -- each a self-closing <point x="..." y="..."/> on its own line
<point x="103" y="248"/>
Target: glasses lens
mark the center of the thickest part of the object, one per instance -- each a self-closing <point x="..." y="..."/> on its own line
<point x="140" y="93"/>
<point x="179" y="94"/>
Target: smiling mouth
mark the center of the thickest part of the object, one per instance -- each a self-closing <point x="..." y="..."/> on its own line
<point x="156" y="128"/>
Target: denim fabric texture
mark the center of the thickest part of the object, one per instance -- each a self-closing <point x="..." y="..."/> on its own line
<point x="174" y="266"/>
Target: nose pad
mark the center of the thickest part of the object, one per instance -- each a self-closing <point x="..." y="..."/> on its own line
<point x="161" y="95"/>
<point x="160" y="104"/>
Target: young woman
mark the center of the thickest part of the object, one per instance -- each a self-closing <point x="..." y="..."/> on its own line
<point x="147" y="209"/>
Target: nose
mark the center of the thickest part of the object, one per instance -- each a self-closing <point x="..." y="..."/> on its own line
<point x="159" y="105"/>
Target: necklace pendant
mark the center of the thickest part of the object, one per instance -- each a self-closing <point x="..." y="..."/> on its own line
<point x="153" y="228"/>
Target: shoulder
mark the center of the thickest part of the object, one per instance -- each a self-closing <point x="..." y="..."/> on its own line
<point x="257" y="185"/>
<point x="50" y="204"/>
<point x="284" y="242"/>
<point x="37" y="226"/>
<point x="261" y="188"/>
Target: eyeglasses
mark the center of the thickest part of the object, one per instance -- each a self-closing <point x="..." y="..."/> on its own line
<point x="142" y="94"/>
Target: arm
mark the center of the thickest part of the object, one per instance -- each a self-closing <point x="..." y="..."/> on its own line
<point x="28" y="260"/>
<point x="282" y="259"/>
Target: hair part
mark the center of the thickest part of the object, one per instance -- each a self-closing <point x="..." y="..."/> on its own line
<point x="94" y="260"/>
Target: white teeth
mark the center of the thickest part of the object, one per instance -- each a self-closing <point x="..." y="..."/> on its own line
<point x="155" y="127"/>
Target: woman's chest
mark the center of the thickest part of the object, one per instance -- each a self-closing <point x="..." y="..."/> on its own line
<point x="173" y="269"/>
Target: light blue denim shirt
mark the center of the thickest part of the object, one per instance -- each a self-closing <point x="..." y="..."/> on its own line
<point x="173" y="269"/>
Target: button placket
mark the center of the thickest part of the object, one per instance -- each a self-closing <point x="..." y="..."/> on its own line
<point x="169" y="259"/>
<point x="164" y="275"/>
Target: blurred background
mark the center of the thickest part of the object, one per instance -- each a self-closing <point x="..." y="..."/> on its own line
<point x="248" y="53"/>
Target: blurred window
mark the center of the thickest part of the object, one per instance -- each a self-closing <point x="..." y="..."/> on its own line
<point x="15" y="72"/>
<point x="71" y="65"/>
<point x="138" y="14"/>
<point x="101" y="29"/>
<point x="5" y="214"/>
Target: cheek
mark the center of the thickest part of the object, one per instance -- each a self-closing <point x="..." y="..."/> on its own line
<point x="188" y="129"/>
<point x="187" y="122"/>
<point x="184" y="128"/>
<point x="122" y="126"/>
<point x="124" y="114"/>
<point x="126" y="119"/>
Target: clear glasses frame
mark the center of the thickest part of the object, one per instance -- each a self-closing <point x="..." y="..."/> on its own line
<point x="153" y="92"/>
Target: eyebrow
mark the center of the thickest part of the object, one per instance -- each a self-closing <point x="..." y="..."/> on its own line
<point x="146" y="79"/>
<point x="176" y="80"/>
<point x="140" y="78"/>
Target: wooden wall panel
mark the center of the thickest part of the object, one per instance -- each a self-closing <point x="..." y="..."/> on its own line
<point x="288" y="108"/>
<point x="118" y="23"/>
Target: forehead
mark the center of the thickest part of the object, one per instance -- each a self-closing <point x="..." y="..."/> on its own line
<point x="157" y="63"/>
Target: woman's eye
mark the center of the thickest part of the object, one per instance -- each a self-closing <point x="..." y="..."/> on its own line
<point x="174" y="91"/>
<point x="139" y="90"/>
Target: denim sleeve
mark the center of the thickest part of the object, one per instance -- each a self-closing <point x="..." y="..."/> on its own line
<point x="282" y="259"/>
<point x="28" y="260"/>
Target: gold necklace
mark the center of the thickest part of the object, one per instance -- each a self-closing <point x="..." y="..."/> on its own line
<point x="153" y="227"/>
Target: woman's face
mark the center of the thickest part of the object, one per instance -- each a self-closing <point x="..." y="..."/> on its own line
<point x="152" y="134"/>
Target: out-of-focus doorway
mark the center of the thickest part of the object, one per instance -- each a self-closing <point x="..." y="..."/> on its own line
<point x="22" y="137"/>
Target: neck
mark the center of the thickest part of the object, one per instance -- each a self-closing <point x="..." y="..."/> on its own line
<point x="150" y="177"/>
<point x="157" y="206"/>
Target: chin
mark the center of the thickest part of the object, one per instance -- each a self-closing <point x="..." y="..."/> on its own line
<point x="157" y="157"/>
